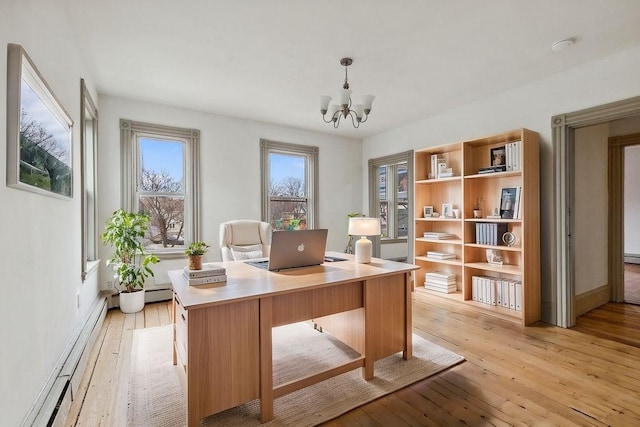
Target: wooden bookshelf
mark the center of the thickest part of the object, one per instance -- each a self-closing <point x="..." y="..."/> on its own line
<point x="469" y="189"/>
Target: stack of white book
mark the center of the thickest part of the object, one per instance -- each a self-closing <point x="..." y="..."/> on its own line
<point x="208" y="274"/>
<point x="440" y="255"/>
<point x="438" y="235"/>
<point x="440" y="282"/>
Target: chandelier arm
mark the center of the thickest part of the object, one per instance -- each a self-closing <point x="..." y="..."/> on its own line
<point x="364" y="119"/>
<point x="336" y="122"/>
<point x="354" y="121"/>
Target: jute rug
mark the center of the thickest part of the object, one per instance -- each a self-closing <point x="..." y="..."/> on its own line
<point x="156" y="397"/>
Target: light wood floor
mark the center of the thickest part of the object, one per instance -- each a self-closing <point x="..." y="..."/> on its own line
<point x="539" y="375"/>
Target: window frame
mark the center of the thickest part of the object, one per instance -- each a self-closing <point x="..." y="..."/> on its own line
<point x="88" y="181"/>
<point x="311" y="176"/>
<point x="131" y="133"/>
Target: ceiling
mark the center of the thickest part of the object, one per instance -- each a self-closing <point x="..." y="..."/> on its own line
<point x="269" y="60"/>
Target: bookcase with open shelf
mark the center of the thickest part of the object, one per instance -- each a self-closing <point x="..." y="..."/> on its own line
<point x="468" y="189"/>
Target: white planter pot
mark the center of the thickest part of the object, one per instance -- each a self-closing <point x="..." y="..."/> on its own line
<point x="132" y="302"/>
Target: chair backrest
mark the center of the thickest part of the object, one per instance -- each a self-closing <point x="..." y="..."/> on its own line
<point x="244" y="239"/>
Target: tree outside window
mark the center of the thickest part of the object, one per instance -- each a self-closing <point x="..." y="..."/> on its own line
<point x="289" y="185"/>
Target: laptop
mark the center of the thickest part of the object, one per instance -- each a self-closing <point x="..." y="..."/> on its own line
<point x="299" y="248"/>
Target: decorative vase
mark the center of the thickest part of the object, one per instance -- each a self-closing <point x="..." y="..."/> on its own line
<point x="132" y="302"/>
<point x="195" y="262"/>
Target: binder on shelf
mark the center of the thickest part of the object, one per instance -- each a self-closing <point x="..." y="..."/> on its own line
<point x="512" y="295"/>
<point x="518" y="294"/>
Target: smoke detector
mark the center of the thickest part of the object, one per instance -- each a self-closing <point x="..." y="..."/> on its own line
<point x="561" y="45"/>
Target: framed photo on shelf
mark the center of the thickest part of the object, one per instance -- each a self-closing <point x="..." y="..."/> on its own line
<point x="499" y="156"/>
<point x="427" y="211"/>
<point x="508" y="200"/>
<point x="447" y="210"/>
<point x="39" y="129"/>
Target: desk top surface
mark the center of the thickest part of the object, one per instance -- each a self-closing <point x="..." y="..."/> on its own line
<point x="246" y="282"/>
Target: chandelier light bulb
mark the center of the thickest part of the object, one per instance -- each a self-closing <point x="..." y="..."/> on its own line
<point x="333" y="113"/>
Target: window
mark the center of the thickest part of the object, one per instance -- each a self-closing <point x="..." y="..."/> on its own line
<point x="289" y="185"/>
<point x="161" y="179"/>
<point x="88" y="184"/>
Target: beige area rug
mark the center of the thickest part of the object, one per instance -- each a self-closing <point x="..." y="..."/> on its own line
<point x="156" y="397"/>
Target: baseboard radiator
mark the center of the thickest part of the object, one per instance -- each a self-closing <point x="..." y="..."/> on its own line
<point x="632" y="258"/>
<point x="53" y="408"/>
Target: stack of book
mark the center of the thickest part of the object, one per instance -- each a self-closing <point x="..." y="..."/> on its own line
<point x="492" y="169"/>
<point x="208" y="274"/>
<point x="440" y="255"/>
<point x="435" y="235"/>
<point x="440" y="282"/>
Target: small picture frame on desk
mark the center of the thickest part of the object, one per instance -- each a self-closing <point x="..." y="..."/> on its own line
<point x="427" y="211"/>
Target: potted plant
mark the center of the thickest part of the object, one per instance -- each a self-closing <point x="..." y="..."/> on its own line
<point x="195" y="251"/>
<point x="124" y="231"/>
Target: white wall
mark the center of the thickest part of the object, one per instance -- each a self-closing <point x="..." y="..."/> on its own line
<point x="230" y="165"/>
<point x="591" y="208"/>
<point x="532" y="106"/>
<point x="40" y="260"/>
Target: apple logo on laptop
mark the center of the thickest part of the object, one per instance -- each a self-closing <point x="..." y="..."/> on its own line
<point x="301" y="247"/>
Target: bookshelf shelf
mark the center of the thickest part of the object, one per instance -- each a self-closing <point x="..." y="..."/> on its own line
<point x="467" y="191"/>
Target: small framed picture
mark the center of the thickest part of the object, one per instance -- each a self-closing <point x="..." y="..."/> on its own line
<point x="447" y="210"/>
<point x="498" y="156"/>
<point x="427" y="211"/>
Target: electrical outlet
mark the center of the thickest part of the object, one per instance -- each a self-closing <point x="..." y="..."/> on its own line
<point x="110" y="284"/>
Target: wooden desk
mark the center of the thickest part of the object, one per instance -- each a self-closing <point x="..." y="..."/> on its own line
<point x="222" y="333"/>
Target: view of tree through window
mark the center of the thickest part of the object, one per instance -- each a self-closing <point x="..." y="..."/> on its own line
<point x="288" y="201"/>
<point x="393" y="196"/>
<point x="161" y="192"/>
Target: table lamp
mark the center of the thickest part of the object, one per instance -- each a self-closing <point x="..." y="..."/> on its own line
<point x="364" y="227"/>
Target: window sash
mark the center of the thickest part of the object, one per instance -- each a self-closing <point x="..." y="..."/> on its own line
<point x="131" y="134"/>
<point x="310" y="154"/>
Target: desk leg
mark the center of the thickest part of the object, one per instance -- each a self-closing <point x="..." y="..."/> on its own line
<point x="408" y="342"/>
<point x="266" y="362"/>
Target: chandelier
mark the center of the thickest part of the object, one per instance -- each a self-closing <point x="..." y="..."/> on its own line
<point x="334" y="113"/>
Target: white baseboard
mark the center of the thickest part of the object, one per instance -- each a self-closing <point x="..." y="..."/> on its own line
<point x="53" y="409"/>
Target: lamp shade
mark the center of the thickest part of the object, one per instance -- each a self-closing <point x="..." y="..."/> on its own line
<point x="364" y="226"/>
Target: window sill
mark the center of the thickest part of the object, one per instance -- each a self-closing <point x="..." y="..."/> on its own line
<point x="168" y="253"/>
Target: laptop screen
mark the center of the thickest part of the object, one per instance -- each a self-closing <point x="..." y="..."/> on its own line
<point x="297" y="248"/>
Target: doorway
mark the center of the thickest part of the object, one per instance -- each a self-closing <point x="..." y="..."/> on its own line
<point x="631" y="219"/>
<point x="561" y="293"/>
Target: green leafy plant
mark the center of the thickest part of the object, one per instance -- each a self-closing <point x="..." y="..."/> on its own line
<point x="196" y="248"/>
<point x="124" y="231"/>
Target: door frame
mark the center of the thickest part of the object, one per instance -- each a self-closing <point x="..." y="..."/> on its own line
<point x="562" y="309"/>
<point x="374" y="194"/>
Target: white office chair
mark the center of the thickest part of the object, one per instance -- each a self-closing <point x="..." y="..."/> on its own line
<point x="244" y="239"/>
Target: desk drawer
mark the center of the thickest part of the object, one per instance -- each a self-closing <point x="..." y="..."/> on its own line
<point x="181" y="328"/>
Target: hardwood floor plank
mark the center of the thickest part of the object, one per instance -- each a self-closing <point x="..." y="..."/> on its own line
<point x="538" y="375"/>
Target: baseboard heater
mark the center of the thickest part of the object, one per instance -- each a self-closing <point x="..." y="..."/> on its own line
<point x="632" y="258"/>
<point x="54" y="407"/>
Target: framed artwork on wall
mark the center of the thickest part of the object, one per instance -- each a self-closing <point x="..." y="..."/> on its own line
<point x="39" y="129"/>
